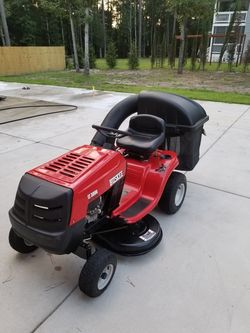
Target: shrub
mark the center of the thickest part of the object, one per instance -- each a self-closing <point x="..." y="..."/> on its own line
<point x="111" y="56"/>
<point x="69" y="62"/>
<point x="133" y="60"/>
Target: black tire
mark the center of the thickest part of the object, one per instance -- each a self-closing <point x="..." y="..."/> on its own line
<point x="174" y="193"/>
<point x="18" y="244"/>
<point x="97" y="273"/>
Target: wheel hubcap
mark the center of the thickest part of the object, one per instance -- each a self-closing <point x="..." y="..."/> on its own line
<point x="179" y="194"/>
<point x="105" y="276"/>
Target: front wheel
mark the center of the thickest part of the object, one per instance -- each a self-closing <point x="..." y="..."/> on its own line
<point x="97" y="273"/>
<point x="174" y="193"/>
<point x="19" y="244"/>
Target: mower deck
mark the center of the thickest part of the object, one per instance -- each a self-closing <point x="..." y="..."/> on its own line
<point x="136" y="239"/>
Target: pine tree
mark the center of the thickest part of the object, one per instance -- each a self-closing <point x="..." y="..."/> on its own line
<point x="111" y="56"/>
<point x="133" y="60"/>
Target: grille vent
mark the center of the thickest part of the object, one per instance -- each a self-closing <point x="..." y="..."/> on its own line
<point x="69" y="165"/>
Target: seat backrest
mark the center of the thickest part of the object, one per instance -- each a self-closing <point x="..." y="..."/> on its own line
<point x="145" y="123"/>
<point x="147" y="133"/>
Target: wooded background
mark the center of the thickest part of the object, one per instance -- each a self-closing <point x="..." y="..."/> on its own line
<point x="154" y="28"/>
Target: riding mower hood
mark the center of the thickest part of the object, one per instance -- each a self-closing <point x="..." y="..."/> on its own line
<point x="96" y="200"/>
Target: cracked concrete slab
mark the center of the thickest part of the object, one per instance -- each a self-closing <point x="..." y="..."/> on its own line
<point x="11" y="142"/>
<point x="221" y="117"/>
<point x="30" y="286"/>
<point x="196" y="280"/>
<point x="226" y="165"/>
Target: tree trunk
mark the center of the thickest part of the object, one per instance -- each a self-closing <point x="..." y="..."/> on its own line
<point x="167" y="36"/>
<point x="140" y="29"/>
<point x="172" y="51"/>
<point x="182" y="46"/>
<point x="104" y="30"/>
<point x="144" y="39"/>
<point x="74" y="42"/>
<point x="163" y="50"/>
<point x="227" y="37"/>
<point x="153" y="45"/>
<point x="135" y="23"/>
<point x="2" y="36"/>
<point x="4" y="23"/>
<point x="130" y="24"/>
<point x="194" y="49"/>
<point x="47" y="28"/>
<point x="81" y="45"/>
<point x="204" y="43"/>
<point x="62" y="30"/>
<point x="86" y="42"/>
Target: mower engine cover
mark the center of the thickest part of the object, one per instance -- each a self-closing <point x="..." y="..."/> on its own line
<point x="52" y="200"/>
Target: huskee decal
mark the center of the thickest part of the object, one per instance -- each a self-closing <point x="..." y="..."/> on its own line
<point x="115" y="179"/>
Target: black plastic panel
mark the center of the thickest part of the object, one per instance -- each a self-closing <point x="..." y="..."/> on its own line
<point x="43" y="205"/>
<point x="177" y="111"/>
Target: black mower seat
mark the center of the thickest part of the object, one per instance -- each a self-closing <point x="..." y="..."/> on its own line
<point x="147" y="134"/>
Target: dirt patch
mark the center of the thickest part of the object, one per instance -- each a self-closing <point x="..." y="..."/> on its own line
<point x="216" y="81"/>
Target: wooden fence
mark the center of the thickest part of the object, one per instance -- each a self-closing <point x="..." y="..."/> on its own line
<point x="16" y="60"/>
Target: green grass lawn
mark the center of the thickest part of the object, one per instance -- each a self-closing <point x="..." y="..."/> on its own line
<point x="144" y="63"/>
<point x="166" y="80"/>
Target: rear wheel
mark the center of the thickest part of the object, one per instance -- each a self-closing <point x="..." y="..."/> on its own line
<point x="19" y="244"/>
<point x="97" y="273"/>
<point x="174" y="193"/>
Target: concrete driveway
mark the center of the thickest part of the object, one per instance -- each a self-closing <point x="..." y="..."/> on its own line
<point x="196" y="281"/>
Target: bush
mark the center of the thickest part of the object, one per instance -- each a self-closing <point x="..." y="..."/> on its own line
<point x="133" y="60"/>
<point x="111" y="56"/>
<point x="69" y="62"/>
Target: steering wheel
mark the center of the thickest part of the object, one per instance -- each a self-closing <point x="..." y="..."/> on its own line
<point x="110" y="132"/>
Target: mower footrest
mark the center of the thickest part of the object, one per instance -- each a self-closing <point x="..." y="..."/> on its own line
<point x="137" y="207"/>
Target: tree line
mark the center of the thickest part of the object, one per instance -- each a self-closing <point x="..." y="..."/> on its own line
<point x="101" y="28"/>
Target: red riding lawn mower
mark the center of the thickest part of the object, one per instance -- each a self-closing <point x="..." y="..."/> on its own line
<point x="96" y="199"/>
